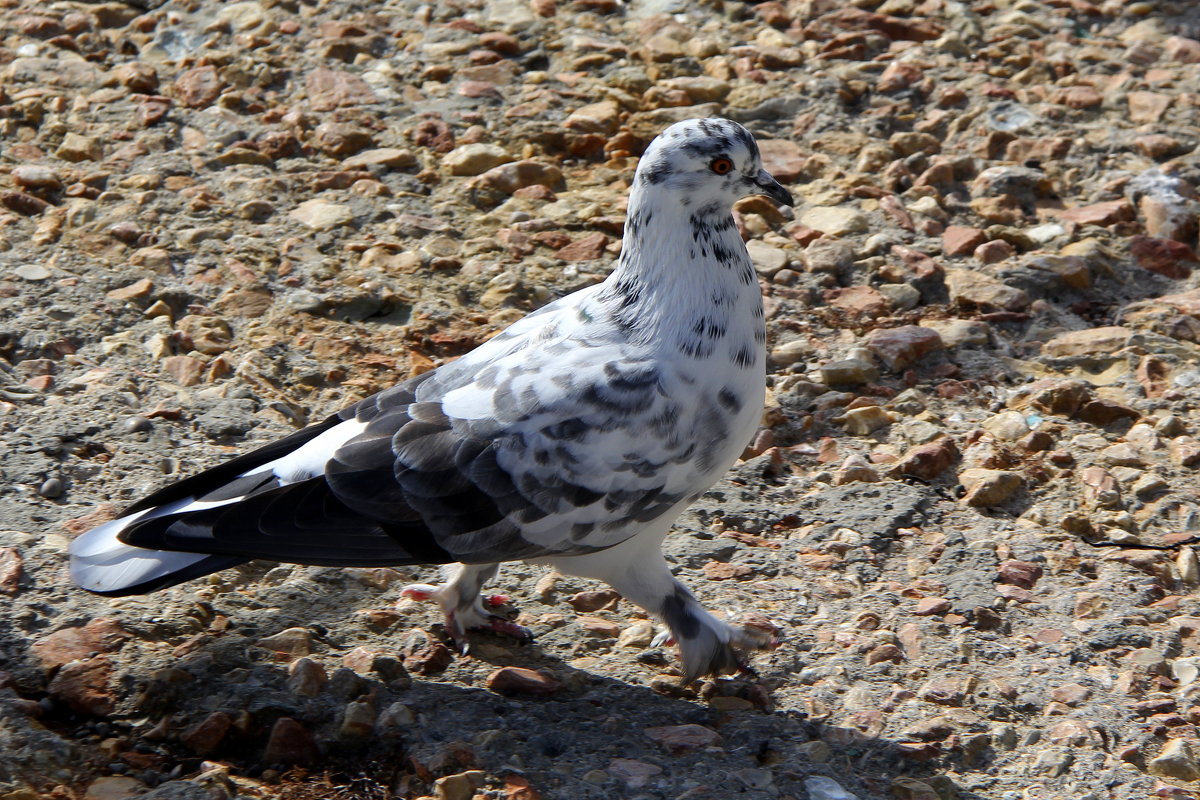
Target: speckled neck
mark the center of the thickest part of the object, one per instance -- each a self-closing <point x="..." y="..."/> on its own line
<point x="685" y="280"/>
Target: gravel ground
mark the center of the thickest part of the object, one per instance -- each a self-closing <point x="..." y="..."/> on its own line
<point x="970" y="511"/>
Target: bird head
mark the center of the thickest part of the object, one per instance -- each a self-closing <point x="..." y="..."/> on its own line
<point x="707" y="163"/>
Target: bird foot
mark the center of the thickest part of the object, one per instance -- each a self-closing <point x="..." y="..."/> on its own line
<point x="469" y="617"/>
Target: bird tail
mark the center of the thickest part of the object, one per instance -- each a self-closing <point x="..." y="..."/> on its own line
<point x="102" y="563"/>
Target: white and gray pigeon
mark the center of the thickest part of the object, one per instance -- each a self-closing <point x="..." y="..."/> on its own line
<point x="574" y="438"/>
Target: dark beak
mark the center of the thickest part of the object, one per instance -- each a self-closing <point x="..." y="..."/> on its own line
<point x="773" y="189"/>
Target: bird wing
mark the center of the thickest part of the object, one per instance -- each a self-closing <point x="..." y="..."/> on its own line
<point x="536" y="444"/>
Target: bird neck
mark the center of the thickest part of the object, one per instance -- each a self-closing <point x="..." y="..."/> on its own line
<point x="685" y="281"/>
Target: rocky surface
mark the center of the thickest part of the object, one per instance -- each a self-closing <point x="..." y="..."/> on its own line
<point x="970" y="511"/>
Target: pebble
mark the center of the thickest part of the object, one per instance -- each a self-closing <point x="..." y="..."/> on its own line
<point x="291" y="743"/>
<point x="11" y="569"/>
<point x="899" y="348"/>
<point x="679" y="738"/>
<point x="522" y="681"/>
<point x="321" y="215"/>
<point x="113" y="787"/>
<point x="460" y="786"/>
<point x="820" y="787"/>
<point x="1176" y="760"/>
<point x="989" y="487"/>
<point x="32" y="272"/>
<point x="835" y="220"/>
<point x="475" y="159"/>
<point x="292" y="641"/>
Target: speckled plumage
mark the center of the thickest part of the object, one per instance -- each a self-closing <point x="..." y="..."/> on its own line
<point x="574" y="437"/>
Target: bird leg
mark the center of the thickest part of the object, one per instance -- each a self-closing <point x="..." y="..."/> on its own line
<point x="636" y="568"/>
<point x="463" y="607"/>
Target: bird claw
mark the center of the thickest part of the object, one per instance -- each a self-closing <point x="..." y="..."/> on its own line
<point x="496" y="624"/>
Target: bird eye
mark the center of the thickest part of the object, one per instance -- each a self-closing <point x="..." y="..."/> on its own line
<point x="721" y="166"/>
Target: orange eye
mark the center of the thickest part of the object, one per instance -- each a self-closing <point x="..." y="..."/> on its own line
<point x="721" y="166"/>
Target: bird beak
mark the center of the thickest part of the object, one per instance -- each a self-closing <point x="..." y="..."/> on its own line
<point x="773" y="189"/>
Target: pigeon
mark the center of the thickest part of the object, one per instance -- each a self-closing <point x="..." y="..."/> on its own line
<point x="574" y="438"/>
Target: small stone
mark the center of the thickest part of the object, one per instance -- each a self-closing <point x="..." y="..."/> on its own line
<point x="863" y="301"/>
<point x="11" y="568"/>
<point x="138" y="290"/>
<point x="522" y="681"/>
<point x="960" y="332"/>
<point x="1106" y="340"/>
<point x="391" y="157"/>
<point x="1078" y="97"/>
<point x="475" y="159"/>
<point x="1148" y="485"/>
<point x="901" y="347"/>
<point x="199" y="87"/>
<point x="209" y="335"/>
<point x="1147" y="107"/>
<point x="993" y="252"/>
<point x="291" y="743"/>
<point x="928" y="606"/>
<point x="632" y="773"/>
<point x="1182" y="49"/>
<point x="1102" y="214"/>
<point x="855" y="469"/>
<point x="977" y="290"/>
<point x="882" y="653"/>
<point x="723" y="571"/>
<point x="783" y="158"/>
<point x="1053" y="762"/>
<point x="898" y="75"/>
<point x="32" y="272"/>
<point x="293" y="641"/>
<point x="329" y="89"/>
<point x="603" y="118"/>
<point x="959" y="241"/>
<point x="100" y="635"/>
<point x="790" y="352"/>
<point x="907" y="143"/>
<point x="989" y="487"/>
<point x="767" y="259"/>
<point x="358" y="720"/>
<point x="586" y="248"/>
<point x="835" y="220"/>
<point x="322" y="215"/>
<point x="205" y="738"/>
<point x="904" y="788"/>
<point x="1166" y="257"/>
<point x="599" y="627"/>
<point x="820" y="787"/>
<point x="863" y="420"/>
<point x="36" y="177"/>
<point x="395" y="719"/>
<point x="509" y="178"/>
<point x="829" y="255"/>
<point x="460" y="786"/>
<point x="113" y="787"/>
<point x="83" y="686"/>
<point x="678" y="738"/>
<point x="1020" y="573"/>
<point x="587" y="602"/>
<point x="1007" y="426"/>
<point x="639" y="634"/>
<point x="849" y="372"/>
<point x="77" y="147"/>
<point x="1175" y="761"/>
<point x="1069" y="732"/>
<point x="928" y="460"/>
<point x="1070" y="694"/>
